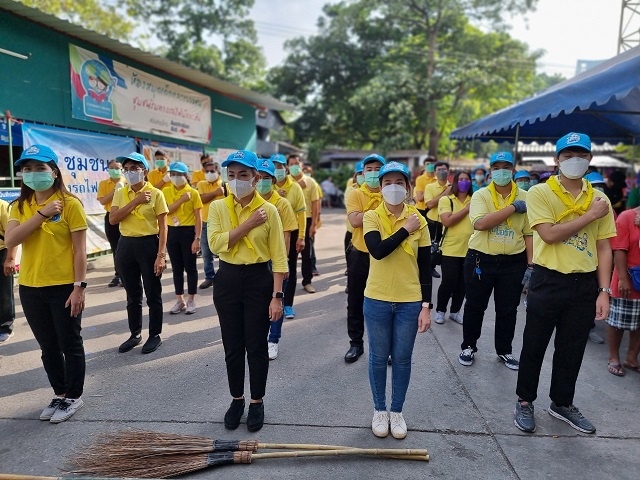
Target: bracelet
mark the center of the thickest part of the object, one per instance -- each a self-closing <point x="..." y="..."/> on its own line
<point x="162" y="255"/>
<point x="43" y="215"/>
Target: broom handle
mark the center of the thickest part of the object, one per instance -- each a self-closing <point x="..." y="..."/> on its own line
<point x="311" y="446"/>
<point x="12" y="476"/>
<point x="350" y="451"/>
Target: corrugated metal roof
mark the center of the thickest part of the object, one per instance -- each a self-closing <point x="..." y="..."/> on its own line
<point x="211" y="83"/>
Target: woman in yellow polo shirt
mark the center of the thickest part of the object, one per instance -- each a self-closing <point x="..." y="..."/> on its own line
<point x="210" y="189"/>
<point x="246" y="232"/>
<point x="141" y="211"/>
<point x="51" y="225"/>
<point x="397" y="298"/>
<point x="183" y="238"/>
<point x="106" y="190"/>
<point x="454" y="215"/>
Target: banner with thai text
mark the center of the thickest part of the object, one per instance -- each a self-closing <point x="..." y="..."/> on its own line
<point x="110" y="92"/>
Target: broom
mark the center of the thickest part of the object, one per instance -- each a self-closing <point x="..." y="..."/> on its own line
<point x="171" y="465"/>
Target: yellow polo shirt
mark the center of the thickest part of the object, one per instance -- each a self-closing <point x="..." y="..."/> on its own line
<point x="4" y="218"/>
<point x="347" y="192"/>
<point x="197" y="176"/>
<point x="431" y="191"/>
<point x="287" y="217"/>
<point x="295" y="196"/>
<point x="395" y="278"/>
<point x="207" y="187"/>
<point x="310" y="192"/>
<point x="350" y="183"/>
<point x="47" y="254"/>
<point x="266" y="240"/>
<point x="184" y="216"/>
<point x="155" y="175"/>
<point x="105" y="187"/>
<point x="502" y="239"/>
<point x="143" y="220"/>
<point x="456" y="241"/>
<point x="361" y="200"/>
<point x="421" y="183"/>
<point x="578" y="253"/>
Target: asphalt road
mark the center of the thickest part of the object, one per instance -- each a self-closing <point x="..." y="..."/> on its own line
<point x="462" y="415"/>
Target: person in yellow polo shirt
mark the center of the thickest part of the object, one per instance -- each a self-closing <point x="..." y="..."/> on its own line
<point x="432" y="195"/>
<point x="397" y="298"/>
<point x="500" y="249"/>
<point x="360" y="201"/>
<point x="199" y="175"/>
<point x="106" y="190"/>
<point x="141" y="211"/>
<point x="247" y="233"/>
<point x="51" y="225"/>
<point x="8" y="265"/>
<point x="356" y="182"/>
<point x="454" y="215"/>
<point x="210" y="189"/>
<point x="289" y="189"/>
<point x="183" y="237"/>
<point x="427" y="178"/>
<point x="159" y="177"/>
<point x="570" y="282"/>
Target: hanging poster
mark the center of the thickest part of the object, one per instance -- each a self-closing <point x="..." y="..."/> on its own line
<point x="186" y="154"/>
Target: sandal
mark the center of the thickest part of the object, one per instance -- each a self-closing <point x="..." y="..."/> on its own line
<point x="635" y="368"/>
<point x="616" y="369"/>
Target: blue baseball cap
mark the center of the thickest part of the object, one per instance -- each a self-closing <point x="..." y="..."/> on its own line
<point x="545" y="175"/>
<point x="243" y="157"/>
<point x="394" y="167"/>
<point x="278" y="158"/>
<point x="265" y="165"/>
<point x="480" y="166"/>
<point x="136" y="157"/>
<point x="374" y="157"/>
<point x="521" y="174"/>
<point x="39" y="153"/>
<point x="573" y="140"/>
<point x="359" y="167"/>
<point x="179" y="167"/>
<point x="501" y="157"/>
<point x="594" y="178"/>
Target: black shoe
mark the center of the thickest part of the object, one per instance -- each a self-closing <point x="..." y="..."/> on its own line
<point x="234" y="414"/>
<point x="115" y="281"/>
<point x="353" y="354"/>
<point x="434" y="273"/>
<point x="129" y="344"/>
<point x="255" y="417"/>
<point x="152" y="344"/>
<point x="206" y="284"/>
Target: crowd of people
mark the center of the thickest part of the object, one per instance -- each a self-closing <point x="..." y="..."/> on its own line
<point x="491" y="230"/>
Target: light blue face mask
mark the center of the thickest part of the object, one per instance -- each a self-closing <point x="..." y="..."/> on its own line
<point x="264" y="186"/>
<point x="360" y="179"/>
<point x="38" y="181"/>
<point x="523" y="185"/>
<point x="533" y="182"/>
<point x="371" y="179"/>
<point x="501" y="177"/>
<point x="281" y="173"/>
<point x="295" y="170"/>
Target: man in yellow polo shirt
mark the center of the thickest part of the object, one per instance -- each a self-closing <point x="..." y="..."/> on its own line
<point x="569" y="284"/>
<point x="427" y="178"/>
<point x="499" y="251"/>
<point x="106" y="190"/>
<point x="198" y="175"/>
<point x="432" y="195"/>
<point x="159" y="177"/>
<point x="210" y="189"/>
<point x="7" y="263"/>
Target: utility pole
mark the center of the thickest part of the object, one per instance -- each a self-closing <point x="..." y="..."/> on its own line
<point x="629" y="33"/>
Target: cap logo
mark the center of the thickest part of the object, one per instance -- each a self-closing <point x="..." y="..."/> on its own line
<point x="32" y="150"/>
<point x="265" y="163"/>
<point x="573" y="138"/>
<point x="501" y="156"/>
<point x="239" y="154"/>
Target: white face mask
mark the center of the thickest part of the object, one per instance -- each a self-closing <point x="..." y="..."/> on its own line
<point x="133" y="178"/>
<point x="211" y="176"/>
<point x="178" y="181"/>
<point x="574" y="167"/>
<point x="241" y="188"/>
<point x="394" y="194"/>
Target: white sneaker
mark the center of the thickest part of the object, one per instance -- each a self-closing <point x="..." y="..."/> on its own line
<point x="398" y="425"/>
<point x="50" y="409"/>
<point x="380" y="423"/>
<point x="66" y="409"/>
<point x="456" y="317"/>
<point x="5" y="336"/>
<point x="191" y="307"/>
<point x="177" y="308"/>
<point x="439" y="317"/>
<point x="273" y="351"/>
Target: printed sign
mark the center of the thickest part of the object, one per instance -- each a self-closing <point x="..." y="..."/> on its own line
<point x="188" y="155"/>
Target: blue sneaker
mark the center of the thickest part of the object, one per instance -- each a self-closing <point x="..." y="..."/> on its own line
<point x="289" y="313"/>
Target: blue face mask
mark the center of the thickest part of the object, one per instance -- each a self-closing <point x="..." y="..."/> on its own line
<point x="533" y="182"/>
<point x="360" y="179"/>
<point x="523" y="185"/>
<point x="295" y="170"/>
<point x="264" y="186"/>
<point x="281" y="173"/>
<point x="38" y="181"/>
<point x="371" y="179"/>
<point x="501" y="177"/>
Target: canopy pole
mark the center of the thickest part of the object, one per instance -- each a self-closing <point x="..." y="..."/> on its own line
<point x="515" y="148"/>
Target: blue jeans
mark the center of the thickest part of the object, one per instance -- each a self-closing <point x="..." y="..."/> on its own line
<point x="207" y="256"/>
<point x="275" y="331"/>
<point x="392" y="330"/>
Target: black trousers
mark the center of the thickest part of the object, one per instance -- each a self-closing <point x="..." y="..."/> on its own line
<point x="502" y="275"/>
<point x="179" y="241"/>
<point x="58" y="334"/>
<point x="307" y="264"/>
<point x="566" y="303"/>
<point x="452" y="284"/>
<point x="113" y="236"/>
<point x="347" y="241"/>
<point x="135" y="260"/>
<point x="7" y="303"/>
<point x="292" y="280"/>
<point x="241" y="295"/>
<point x="357" y="273"/>
<point x="435" y="229"/>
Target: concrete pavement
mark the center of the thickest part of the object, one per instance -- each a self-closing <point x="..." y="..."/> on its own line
<point x="462" y="415"/>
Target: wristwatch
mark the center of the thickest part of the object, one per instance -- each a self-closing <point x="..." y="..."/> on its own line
<point x="428" y="305"/>
<point x="278" y="294"/>
<point x="605" y="290"/>
<point x="80" y="284"/>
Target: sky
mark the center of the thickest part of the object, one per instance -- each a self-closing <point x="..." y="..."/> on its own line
<point x="567" y="30"/>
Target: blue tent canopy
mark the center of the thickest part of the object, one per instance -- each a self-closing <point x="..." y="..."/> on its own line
<point x="603" y="102"/>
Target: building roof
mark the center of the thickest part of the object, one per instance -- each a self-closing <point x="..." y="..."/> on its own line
<point x="196" y="77"/>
